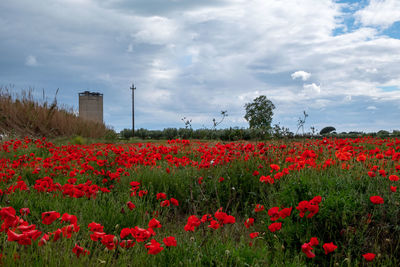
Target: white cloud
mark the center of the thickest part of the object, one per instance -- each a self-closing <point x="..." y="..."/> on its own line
<point x="31" y="61"/>
<point x="372" y="108"/>
<point x="311" y="88"/>
<point x="381" y="13"/>
<point x="156" y="30"/>
<point x="301" y="74"/>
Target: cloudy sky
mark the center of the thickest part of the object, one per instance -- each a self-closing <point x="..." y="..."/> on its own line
<point x="337" y="60"/>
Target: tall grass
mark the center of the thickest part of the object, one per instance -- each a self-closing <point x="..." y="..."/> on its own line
<point x="23" y="115"/>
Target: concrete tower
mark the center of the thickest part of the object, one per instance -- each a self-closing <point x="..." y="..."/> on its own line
<point x="91" y="106"/>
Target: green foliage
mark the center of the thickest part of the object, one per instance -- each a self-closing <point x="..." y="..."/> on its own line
<point x="170" y="133"/>
<point x="382" y="133"/>
<point x="126" y="133"/>
<point x="259" y="113"/>
<point x="327" y="130"/>
<point x="78" y="140"/>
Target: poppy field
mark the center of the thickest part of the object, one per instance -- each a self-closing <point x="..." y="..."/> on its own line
<point x="311" y="202"/>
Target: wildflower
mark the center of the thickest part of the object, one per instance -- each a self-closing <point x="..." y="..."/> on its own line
<point x="49" y="217"/>
<point x="285" y="212"/>
<point x="174" y="202"/>
<point x="165" y="203"/>
<point x="130" y="205"/>
<point x="110" y="241"/>
<point x="170" y="241"/>
<point x="154" y="224"/>
<point x="254" y="235"/>
<point x="329" y="247"/>
<point x="80" y="250"/>
<point x="275" y="227"/>
<point x="24" y="211"/>
<point x="259" y="208"/>
<point x="274" y="213"/>
<point x="369" y="256"/>
<point x="249" y="222"/>
<point x="376" y="200"/>
<point x="306" y="248"/>
<point x="214" y="224"/>
<point x="140" y="234"/>
<point x="95" y="227"/>
<point x="125" y="232"/>
<point x="161" y="196"/>
<point x="314" y="241"/>
<point x="192" y="222"/>
<point x="154" y="247"/>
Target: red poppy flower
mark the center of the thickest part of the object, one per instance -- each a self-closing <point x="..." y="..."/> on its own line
<point x="174" y="202"/>
<point x="130" y="205"/>
<point x="96" y="236"/>
<point x="154" y="223"/>
<point x="249" y="222"/>
<point x="259" y="208"/>
<point x="393" y="188"/>
<point x="314" y="241"/>
<point x="376" y="200"/>
<point x="275" y="227"/>
<point x="125" y="232"/>
<point x="369" y="256"/>
<point x="44" y="240"/>
<point x="140" y="234"/>
<point x="274" y="213"/>
<point x="285" y="212"/>
<point x="214" y="224"/>
<point x="165" y="203"/>
<point x="24" y="211"/>
<point x="161" y="196"/>
<point x="329" y="247"/>
<point x="110" y="241"/>
<point x="127" y="243"/>
<point x="72" y="219"/>
<point x="306" y="248"/>
<point x="154" y="247"/>
<point x="95" y="227"/>
<point x="49" y="217"/>
<point x="254" y="235"/>
<point x="57" y="235"/>
<point x="192" y="222"/>
<point x="170" y="241"/>
<point x="393" y="178"/>
<point x="80" y="251"/>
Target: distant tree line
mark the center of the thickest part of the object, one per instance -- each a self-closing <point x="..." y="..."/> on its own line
<point x="259" y="114"/>
<point x="236" y="133"/>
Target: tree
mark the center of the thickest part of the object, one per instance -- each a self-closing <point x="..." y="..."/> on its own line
<point x="327" y="130"/>
<point x="259" y="113"/>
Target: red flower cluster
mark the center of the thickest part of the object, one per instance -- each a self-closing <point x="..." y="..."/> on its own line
<point x="275" y="214"/>
<point x="311" y="206"/>
<point x="221" y="218"/>
<point x="307" y="247"/>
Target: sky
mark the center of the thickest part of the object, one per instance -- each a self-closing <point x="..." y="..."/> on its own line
<point x="337" y="60"/>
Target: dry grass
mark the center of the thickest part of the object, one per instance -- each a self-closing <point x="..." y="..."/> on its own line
<point x="22" y="115"/>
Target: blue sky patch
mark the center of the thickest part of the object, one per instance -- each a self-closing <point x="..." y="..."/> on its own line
<point x="390" y="88"/>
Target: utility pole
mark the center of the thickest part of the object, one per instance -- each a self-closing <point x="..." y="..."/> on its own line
<point x="133" y="109"/>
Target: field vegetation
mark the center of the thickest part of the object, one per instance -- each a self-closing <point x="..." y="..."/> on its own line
<point x="23" y="115"/>
<point x="313" y="202"/>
